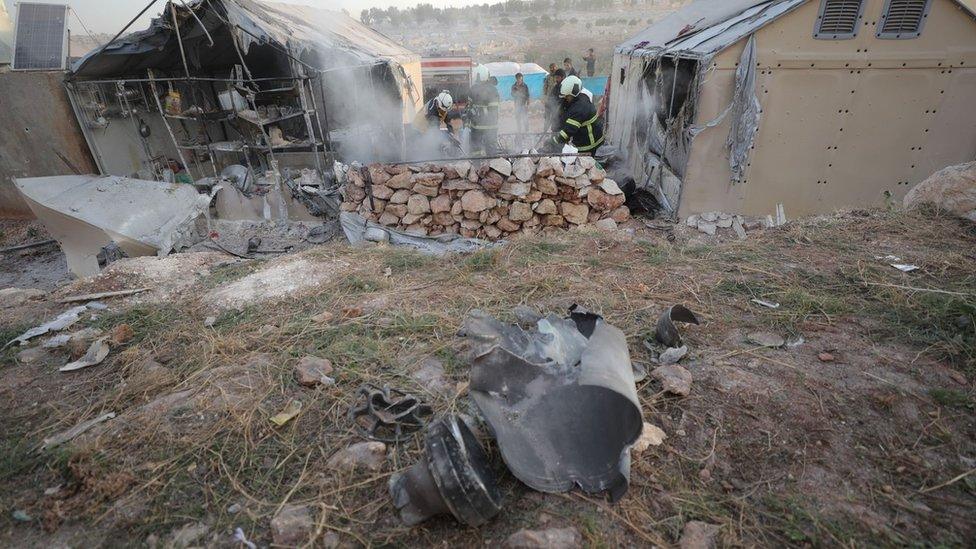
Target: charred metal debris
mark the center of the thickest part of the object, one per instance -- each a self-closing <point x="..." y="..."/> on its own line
<point x="561" y="402"/>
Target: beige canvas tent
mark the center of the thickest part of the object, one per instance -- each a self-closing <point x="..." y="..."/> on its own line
<point x="740" y="105"/>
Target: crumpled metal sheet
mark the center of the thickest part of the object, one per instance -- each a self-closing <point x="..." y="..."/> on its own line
<point x="358" y="230"/>
<point x="745" y="112"/>
<point x="561" y="400"/>
<point x="84" y="213"/>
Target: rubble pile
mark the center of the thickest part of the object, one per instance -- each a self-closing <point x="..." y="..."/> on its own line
<point x="488" y="199"/>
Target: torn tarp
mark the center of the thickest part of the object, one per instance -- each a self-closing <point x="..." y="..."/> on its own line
<point x="359" y="230"/>
<point x="745" y="111"/>
<point x="84" y="213"/>
<point x="561" y="400"/>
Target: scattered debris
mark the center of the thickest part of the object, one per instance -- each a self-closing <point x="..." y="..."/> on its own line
<point x="431" y="376"/>
<point x="651" y="435"/>
<point x="242" y="539"/>
<point x="369" y="455"/>
<point x="209" y="321"/>
<point x="766" y="339"/>
<point x="34" y="355"/>
<point x="292" y="525"/>
<point x="290" y="411"/>
<point x="63" y="320"/>
<point x="672" y="355"/>
<point x="561" y="538"/>
<point x="121" y="334"/>
<point x="324" y="317"/>
<point x="698" y="535"/>
<point x="312" y="371"/>
<point x="666" y="332"/>
<point x="284" y="277"/>
<point x="452" y="478"/>
<point x="674" y="379"/>
<point x="70" y="434"/>
<point x="767" y="304"/>
<point x="825" y="357"/>
<point x="388" y="415"/>
<point x="96" y="353"/>
<point x="561" y="400"/>
<point x="21" y="516"/>
<point x="526" y="316"/>
<point x="640" y="371"/>
<point x="101" y="295"/>
<point x="895" y="262"/>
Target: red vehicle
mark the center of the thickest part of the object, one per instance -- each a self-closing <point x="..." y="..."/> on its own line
<point x="451" y="73"/>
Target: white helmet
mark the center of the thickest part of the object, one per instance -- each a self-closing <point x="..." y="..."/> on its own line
<point x="571" y="85"/>
<point x="444" y="101"/>
<point x="481" y="74"/>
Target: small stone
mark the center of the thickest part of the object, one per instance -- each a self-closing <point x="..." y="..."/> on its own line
<point x="362" y="455"/>
<point x="707" y="227"/>
<point x="553" y="538"/>
<point x="209" y="322"/>
<point x="519" y="211"/>
<point x="312" y="371"/>
<point x="710" y="217"/>
<point x="427" y="179"/>
<point x="431" y="376"/>
<point x="382" y="192"/>
<point x="673" y="355"/>
<point x="475" y="201"/>
<point x="426" y="190"/>
<point x="388" y="219"/>
<point x="587" y="162"/>
<point x="188" y="535"/>
<point x="825" y="357"/>
<point x="234" y="509"/>
<point x="462" y="168"/>
<point x="740" y="231"/>
<point x="292" y="526"/>
<point x="607" y="224"/>
<point x="33" y="355"/>
<point x="674" y="379"/>
<point x="121" y="334"/>
<point x="418" y="205"/>
<point x="501" y="165"/>
<point x="492" y="232"/>
<point x="507" y="225"/>
<point x="651" y="435"/>
<point x="377" y="175"/>
<point x="551" y="221"/>
<point x="546" y="207"/>
<point x="724" y="223"/>
<point x="698" y="535"/>
<point x="400" y="181"/>
<point x="575" y="213"/>
<point x="604" y="202"/>
<point x="692" y="221"/>
<point x="766" y="339"/>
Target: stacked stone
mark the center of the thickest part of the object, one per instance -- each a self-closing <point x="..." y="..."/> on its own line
<point x="490" y="200"/>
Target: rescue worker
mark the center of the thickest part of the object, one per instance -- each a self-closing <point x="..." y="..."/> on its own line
<point x="483" y="113"/>
<point x="552" y="102"/>
<point x="580" y="124"/>
<point x="434" y="113"/>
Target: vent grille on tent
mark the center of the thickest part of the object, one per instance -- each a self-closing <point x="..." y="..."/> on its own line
<point x="41" y="37"/>
<point x="903" y="18"/>
<point x="838" y="19"/>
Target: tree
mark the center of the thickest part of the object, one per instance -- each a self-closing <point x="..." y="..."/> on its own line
<point x="364" y="17"/>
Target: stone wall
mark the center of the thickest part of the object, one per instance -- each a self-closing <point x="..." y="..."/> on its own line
<point x="488" y="199"/>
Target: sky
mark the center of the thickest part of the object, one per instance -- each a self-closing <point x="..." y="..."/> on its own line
<point x="109" y="16"/>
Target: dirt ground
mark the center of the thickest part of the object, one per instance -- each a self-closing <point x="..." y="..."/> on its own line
<point x="858" y="432"/>
<point x="43" y="267"/>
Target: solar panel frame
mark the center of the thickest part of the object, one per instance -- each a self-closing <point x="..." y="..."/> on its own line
<point x="46" y="44"/>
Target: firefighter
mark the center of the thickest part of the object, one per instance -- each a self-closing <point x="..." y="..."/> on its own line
<point x="483" y="113"/>
<point x="579" y="122"/>
<point x="435" y="112"/>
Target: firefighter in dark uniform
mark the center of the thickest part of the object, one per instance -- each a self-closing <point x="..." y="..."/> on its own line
<point x="579" y="122"/>
<point x="483" y="113"/>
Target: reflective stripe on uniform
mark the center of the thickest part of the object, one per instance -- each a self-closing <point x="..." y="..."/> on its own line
<point x="484" y="127"/>
<point x="590" y="147"/>
<point x="564" y="135"/>
<point x="572" y="122"/>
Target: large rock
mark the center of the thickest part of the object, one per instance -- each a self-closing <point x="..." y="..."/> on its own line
<point x="574" y="213"/>
<point x="462" y="168"/>
<point x="411" y="219"/>
<point x="398" y="210"/>
<point x="546" y="207"/>
<point x="400" y="197"/>
<point x="362" y="455"/>
<point x="519" y="211"/>
<point x="382" y="192"/>
<point x="440" y="203"/>
<point x="292" y="526"/>
<point x="546" y="185"/>
<point x="492" y="182"/>
<point x="443" y="219"/>
<point x="418" y="205"/>
<point x="600" y="200"/>
<point x="377" y="175"/>
<point x="508" y="225"/>
<point x="388" y="219"/>
<point x="429" y="179"/>
<point x="952" y="189"/>
<point x="459" y="185"/>
<point x="549" y="166"/>
<point x="476" y="201"/>
<point x="515" y="189"/>
<point x="610" y="187"/>
<point x="621" y="214"/>
<point x="400" y="181"/>
<point x="524" y="169"/>
<point x="426" y="190"/>
<point x="551" y="220"/>
<point x="501" y="165"/>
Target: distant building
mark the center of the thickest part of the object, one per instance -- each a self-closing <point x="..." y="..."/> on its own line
<point x="740" y="105"/>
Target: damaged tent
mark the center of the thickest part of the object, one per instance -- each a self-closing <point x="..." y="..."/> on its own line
<point x="215" y="83"/>
<point x="741" y="105"/>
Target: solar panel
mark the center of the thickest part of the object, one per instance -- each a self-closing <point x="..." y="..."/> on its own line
<point x="41" y="36"/>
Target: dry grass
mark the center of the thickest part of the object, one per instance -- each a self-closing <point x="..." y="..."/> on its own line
<point x="200" y="458"/>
